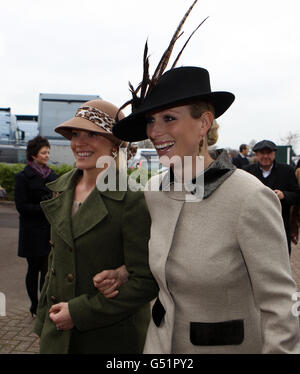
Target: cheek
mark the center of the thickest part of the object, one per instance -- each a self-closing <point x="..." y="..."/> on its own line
<point x="72" y="145"/>
<point x="103" y="146"/>
<point x="148" y="130"/>
<point x="190" y="139"/>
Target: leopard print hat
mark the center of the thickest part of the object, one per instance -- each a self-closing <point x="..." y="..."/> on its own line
<point x="94" y="115"/>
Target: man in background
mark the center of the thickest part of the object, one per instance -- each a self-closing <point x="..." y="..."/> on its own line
<point x="279" y="177"/>
<point x="241" y="160"/>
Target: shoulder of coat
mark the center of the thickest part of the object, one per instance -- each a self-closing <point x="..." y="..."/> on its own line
<point x="244" y="181"/>
<point x="63" y="182"/>
<point x="27" y="172"/>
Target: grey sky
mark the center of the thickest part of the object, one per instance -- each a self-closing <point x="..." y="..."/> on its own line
<point x="251" y="48"/>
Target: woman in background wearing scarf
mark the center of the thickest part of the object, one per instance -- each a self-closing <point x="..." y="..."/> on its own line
<point x="34" y="229"/>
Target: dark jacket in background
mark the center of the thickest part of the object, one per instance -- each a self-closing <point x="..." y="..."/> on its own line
<point x="282" y="178"/>
<point x="34" y="229"/>
<point x="240" y="161"/>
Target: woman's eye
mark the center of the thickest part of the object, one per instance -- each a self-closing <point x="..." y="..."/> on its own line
<point x="168" y="118"/>
<point x="149" y="120"/>
<point x="74" y="134"/>
<point x="92" y="134"/>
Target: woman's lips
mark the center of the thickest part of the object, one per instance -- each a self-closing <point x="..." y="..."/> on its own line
<point x="164" y="148"/>
<point x="84" y="154"/>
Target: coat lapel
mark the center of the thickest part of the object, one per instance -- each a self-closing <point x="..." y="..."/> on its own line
<point x="58" y="209"/>
<point x="58" y="213"/>
<point x="93" y="210"/>
<point x="90" y="213"/>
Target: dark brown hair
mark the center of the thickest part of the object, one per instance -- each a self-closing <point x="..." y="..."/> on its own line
<point x="34" y="145"/>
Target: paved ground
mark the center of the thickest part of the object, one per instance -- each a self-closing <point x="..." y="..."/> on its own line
<point x="16" y="327"/>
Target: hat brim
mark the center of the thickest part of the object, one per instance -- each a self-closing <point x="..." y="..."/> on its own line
<point x="79" y="123"/>
<point x="265" y="147"/>
<point x="133" y="127"/>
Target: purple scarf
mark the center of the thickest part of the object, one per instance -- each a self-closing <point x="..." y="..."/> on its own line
<point x="42" y="171"/>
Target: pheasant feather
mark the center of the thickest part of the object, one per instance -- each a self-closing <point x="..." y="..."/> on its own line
<point x="147" y="83"/>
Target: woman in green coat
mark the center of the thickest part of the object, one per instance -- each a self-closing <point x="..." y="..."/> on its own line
<point x="93" y="230"/>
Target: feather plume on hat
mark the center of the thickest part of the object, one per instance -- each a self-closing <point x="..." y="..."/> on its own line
<point x="147" y="84"/>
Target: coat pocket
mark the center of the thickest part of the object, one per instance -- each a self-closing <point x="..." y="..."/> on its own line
<point x="217" y="333"/>
<point x="158" y="312"/>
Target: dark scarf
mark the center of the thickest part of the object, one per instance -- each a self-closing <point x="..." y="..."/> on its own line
<point x="42" y="171"/>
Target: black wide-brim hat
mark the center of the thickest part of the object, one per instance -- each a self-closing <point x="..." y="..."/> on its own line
<point x="178" y="86"/>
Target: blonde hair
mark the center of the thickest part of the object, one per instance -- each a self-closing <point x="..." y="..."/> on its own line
<point x="197" y="109"/>
<point x="121" y="157"/>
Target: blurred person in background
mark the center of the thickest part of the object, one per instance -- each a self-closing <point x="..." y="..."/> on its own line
<point x="295" y="213"/>
<point x="277" y="176"/>
<point x="241" y="160"/>
<point x="34" y="229"/>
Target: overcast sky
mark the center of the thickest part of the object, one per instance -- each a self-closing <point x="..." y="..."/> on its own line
<point x="250" y="48"/>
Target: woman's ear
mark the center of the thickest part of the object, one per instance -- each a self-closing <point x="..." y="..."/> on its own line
<point x="206" y="122"/>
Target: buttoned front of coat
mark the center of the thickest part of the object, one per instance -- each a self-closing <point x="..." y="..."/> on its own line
<point x="109" y="229"/>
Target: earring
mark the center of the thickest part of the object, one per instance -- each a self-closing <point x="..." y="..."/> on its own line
<point x="200" y="145"/>
<point x="114" y="153"/>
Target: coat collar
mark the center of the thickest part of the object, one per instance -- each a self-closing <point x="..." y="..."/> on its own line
<point x="69" y="180"/>
<point x="92" y="211"/>
<point x="58" y="213"/>
<point x="29" y="172"/>
<point x="217" y="172"/>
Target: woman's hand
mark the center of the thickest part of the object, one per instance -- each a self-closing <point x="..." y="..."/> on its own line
<point x="60" y="316"/>
<point x="108" y="281"/>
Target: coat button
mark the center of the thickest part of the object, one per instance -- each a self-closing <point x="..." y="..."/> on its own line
<point x="51" y="243"/>
<point x="70" y="277"/>
<point x="53" y="298"/>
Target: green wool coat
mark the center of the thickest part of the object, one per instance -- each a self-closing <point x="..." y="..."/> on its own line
<point x="110" y="229"/>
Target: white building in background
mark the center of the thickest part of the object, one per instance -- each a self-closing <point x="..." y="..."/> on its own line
<point x="53" y="110"/>
<point x="57" y="108"/>
<point x="17" y="130"/>
<point x="4" y="124"/>
<point x="7" y="126"/>
<point x="27" y="127"/>
<point x="60" y="152"/>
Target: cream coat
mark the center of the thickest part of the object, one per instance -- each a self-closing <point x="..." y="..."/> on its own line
<point x="224" y="258"/>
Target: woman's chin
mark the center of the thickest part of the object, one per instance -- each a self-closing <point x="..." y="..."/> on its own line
<point x="83" y="164"/>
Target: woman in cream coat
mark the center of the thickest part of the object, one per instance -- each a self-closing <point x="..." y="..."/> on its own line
<point x="217" y="246"/>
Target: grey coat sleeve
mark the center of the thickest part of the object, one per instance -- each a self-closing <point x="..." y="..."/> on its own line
<point x="263" y="244"/>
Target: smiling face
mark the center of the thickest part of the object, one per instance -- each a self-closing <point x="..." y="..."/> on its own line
<point x="174" y="132"/>
<point x="265" y="158"/>
<point x="88" y="146"/>
<point x="42" y="157"/>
